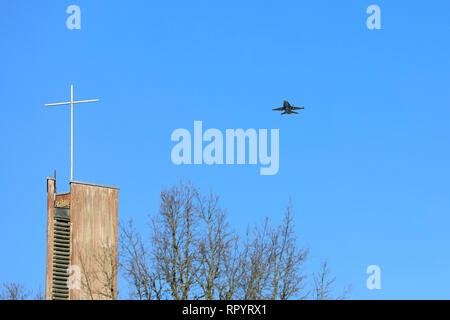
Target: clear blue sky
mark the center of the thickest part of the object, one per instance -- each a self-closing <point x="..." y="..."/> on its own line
<point x="366" y="163"/>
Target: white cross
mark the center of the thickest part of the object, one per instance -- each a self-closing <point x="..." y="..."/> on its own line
<point x="71" y="102"/>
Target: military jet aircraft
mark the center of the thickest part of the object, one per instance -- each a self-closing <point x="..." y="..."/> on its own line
<point x="287" y="108"/>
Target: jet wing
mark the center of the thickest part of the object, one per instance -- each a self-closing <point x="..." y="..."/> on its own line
<point x="297" y="108"/>
<point x="278" y="109"/>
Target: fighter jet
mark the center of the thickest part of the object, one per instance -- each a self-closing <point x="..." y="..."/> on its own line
<point x="287" y="108"/>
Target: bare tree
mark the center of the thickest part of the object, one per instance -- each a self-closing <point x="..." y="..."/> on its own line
<point x="190" y="240"/>
<point x="287" y="259"/>
<point x="213" y="246"/>
<point x="98" y="274"/>
<point x="274" y="261"/>
<point x="86" y="281"/>
<point x="106" y="275"/>
<point x="17" y="291"/>
<point x="176" y="240"/>
<point x="233" y="271"/>
<point x="14" y="291"/>
<point x="258" y="262"/>
<point x="145" y="283"/>
<point x="39" y="295"/>
<point x="324" y="284"/>
<point x="194" y="255"/>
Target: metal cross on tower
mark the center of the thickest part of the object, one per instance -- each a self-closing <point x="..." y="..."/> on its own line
<point x="71" y="102"/>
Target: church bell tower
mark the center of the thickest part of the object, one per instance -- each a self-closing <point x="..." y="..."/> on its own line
<point x="82" y="227"/>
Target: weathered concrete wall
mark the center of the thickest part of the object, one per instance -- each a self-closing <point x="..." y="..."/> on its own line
<point x="51" y="187"/>
<point x="94" y="219"/>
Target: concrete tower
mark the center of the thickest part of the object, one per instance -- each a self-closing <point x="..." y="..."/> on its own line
<point x="82" y="228"/>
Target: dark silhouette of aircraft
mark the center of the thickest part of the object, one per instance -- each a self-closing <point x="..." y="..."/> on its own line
<point x="287" y="108"/>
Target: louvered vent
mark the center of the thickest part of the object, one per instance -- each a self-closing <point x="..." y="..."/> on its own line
<point x="61" y="254"/>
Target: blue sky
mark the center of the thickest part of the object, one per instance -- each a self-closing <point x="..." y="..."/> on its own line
<point x="366" y="163"/>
